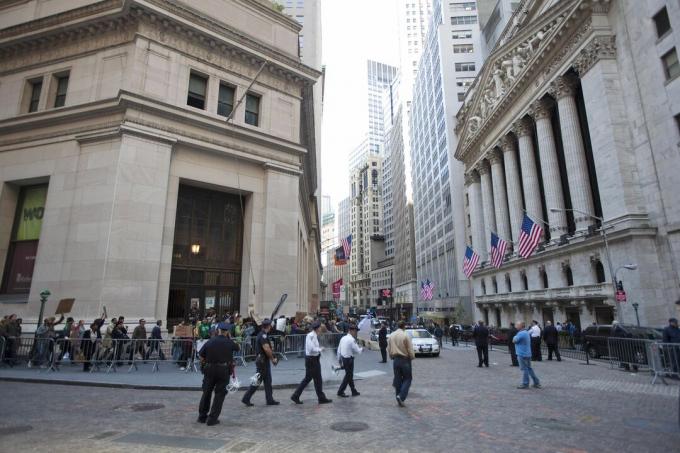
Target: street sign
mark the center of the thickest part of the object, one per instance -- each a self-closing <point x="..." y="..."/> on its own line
<point x="620" y="295"/>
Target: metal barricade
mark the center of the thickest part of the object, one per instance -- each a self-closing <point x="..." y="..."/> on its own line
<point x="629" y="353"/>
<point x="295" y="344"/>
<point x="2" y="350"/>
<point x="36" y="352"/>
<point x="664" y="360"/>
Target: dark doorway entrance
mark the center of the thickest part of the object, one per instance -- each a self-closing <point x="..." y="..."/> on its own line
<point x="604" y="315"/>
<point x="548" y="315"/>
<point x="574" y="315"/>
<point x="207" y="253"/>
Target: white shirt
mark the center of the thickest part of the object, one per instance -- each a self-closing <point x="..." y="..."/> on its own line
<point x="348" y="347"/>
<point x="312" y="347"/>
<point x="535" y="331"/>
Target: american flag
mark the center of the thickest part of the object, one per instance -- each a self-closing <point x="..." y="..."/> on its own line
<point x="347" y="245"/>
<point x="426" y="289"/>
<point x="529" y="237"/>
<point x="498" y="248"/>
<point x="470" y="261"/>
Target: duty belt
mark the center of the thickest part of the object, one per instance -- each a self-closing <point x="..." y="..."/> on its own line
<point x="218" y="363"/>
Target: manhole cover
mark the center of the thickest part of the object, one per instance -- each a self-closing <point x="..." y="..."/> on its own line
<point x="550" y="423"/>
<point x="7" y="430"/>
<point x="349" y="427"/>
<point x="104" y="435"/>
<point x="144" y="407"/>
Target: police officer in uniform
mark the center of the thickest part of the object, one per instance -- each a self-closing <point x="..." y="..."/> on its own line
<point x="265" y="356"/>
<point x="312" y="367"/>
<point x="217" y="356"/>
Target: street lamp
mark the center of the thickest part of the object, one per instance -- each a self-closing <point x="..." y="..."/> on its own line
<point x="44" y="294"/>
<point x="635" y="306"/>
<point x="619" y="313"/>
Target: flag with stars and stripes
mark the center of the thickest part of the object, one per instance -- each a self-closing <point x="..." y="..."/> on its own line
<point x="347" y="245"/>
<point x="498" y="249"/>
<point x="470" y="261"/>
<point x="529" y="237"/>
<point x="426" y="289"/>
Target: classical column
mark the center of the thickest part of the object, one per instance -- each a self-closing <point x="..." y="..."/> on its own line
<point x="512" y="183"/>
<point x="500" y="200"/>
<point x="550" y="169"/>
<point x="564" y="89"/>
<point x="527" y="160"/>
<point x="474" y="190"/>
<point x="487" y="204"/>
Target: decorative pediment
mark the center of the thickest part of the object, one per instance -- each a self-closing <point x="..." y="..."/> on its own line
<point x="511" y="67"/>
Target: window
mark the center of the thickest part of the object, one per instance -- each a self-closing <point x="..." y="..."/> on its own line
<point x="544" y="275"/>
<point x="225" y="100"/>
<point x="671" y="66"/>
<point x="569" y="277"/>
<point x="23" y="245"/>
<point x="461" y="97"/>
<point x="197" y="88"/>
<point x="36" y="88"/>
<point x="677" y="121"/>
<point x="466" y="6"/>
<point x="252" y="109"/>
<point x="463" y="48"/>
<point x="62" y="86"/>
<point x="663" y="24"/>
<point x="463" y="20"/>
<point x="461" y="34"/>
<point x="599" y="272"/>
<point x="465" y="67"/>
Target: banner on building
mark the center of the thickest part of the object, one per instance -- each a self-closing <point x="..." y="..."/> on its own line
<point x="340" y="257"/>
<point x="336" y="288"/>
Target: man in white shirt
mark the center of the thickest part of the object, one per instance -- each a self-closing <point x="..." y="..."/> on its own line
<point x="312" y="367"/>
<point x="535" y="333"/>
<point x="346" y="349"/>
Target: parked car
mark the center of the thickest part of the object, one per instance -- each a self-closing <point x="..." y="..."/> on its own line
<point x="423" y="342"/>
<point x="499" y="335"/>
<point x="595" y="342"/>
<point x="465" y="332"/>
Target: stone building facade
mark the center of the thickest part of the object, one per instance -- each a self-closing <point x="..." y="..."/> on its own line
<point x="574" y="120"/>
<point x="168" y="149"/>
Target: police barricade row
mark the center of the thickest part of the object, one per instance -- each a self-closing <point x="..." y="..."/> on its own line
<point x="665" y="360"/>
<point x="629" y="353"/>
<point x="29" y="351"/>
<point x="2" y="350"/>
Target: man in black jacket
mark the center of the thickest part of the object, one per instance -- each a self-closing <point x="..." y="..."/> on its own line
<point x="550" y="336"/>
<point x="481" y="335"/>
<point x="512" y="331"/>
<point x="382" y="342"/>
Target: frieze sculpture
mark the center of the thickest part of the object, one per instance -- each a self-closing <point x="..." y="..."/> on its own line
<point x="600" y="47"/>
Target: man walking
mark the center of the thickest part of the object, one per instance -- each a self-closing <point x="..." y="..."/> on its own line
<point x="671" y="334"/>
<point x="438" y="334"/>
<point x="535" y="333"/>
<point x="512" y="331"/>
<point x="346" y="349"/>
<point x="401" y="352"/>
<point x="382" y="341"/>
<point x="312" y="367"/>
<point x="217" y="356"/>
<point x="139" y="338"/>
<point x="522" y="343"/>
<point x="481" y="336"/>
<point x="551" y="338"/>
<point x="265" y="357"/>
<point x="155" y="341"/>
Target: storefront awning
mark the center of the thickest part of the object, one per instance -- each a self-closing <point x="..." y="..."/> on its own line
<point x="433" y="315"/>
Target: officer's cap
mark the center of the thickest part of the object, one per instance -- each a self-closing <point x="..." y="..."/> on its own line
<point x="267" y="322"/>
<point x="224" y="326"/>
<point x="316" y="324"/>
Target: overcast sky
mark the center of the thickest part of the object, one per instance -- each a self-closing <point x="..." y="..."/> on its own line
<point x="353" y="31"/>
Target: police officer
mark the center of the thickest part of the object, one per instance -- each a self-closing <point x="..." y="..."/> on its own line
<point x="217" y="356"/>
<point x="265" y="356"/>
<point x="312" y="367"/>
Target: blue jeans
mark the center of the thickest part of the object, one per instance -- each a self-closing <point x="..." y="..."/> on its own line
<point x="402" y="376"/>
<point x="525" y="366"/>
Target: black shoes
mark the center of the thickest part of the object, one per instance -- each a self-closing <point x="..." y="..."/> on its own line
<point x="201" y="419"/>
<point x="400" y="402"/>
<point x="247" y="403"/>
<point x="295" y="399"/>
<point x="355" y="393"/>
<point x="342" y="395"/>
<point x="273" y="403"/>
<point x="212" y="422"/>
<point x="326" y="401"/>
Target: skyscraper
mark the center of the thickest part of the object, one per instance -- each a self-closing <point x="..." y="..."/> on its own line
<point x="448" y="66"/>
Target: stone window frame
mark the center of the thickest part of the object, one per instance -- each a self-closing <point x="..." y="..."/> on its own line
<point x="660" y="15"/>
<point x="260" y="96"/>
<point x="234" y="99"/>
<point x="53" y="89"/>
<point x="193" y="71"/>
<point x="29" y="90"/>
<point x="667" y="69"/>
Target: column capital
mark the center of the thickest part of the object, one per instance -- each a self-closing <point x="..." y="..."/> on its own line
<point x="599" y="48"/>
<point x="483" y="168"/>
<point x="563" y="86"/>
<point x="522" y="127"/>
<point x="495" y="156"/>
<point x="541" y="108"/>
<point x="506" y="143"/>
<point x="471" y="177"/>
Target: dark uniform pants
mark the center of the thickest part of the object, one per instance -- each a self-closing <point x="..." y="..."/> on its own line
<point x="215" y="378"/>
<point x="265" y="370"/>
<point x="312" y="372"/>
<point x="383" y="351"/>
<point x="552" y="347"/>
<point x="513" y="354"/>
<point x="483" y="354"/>
<point x="348" y="366"/>
<point x="536" y="355"/>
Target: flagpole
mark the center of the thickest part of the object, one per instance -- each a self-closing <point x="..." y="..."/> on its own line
<point x="536" y="218"/>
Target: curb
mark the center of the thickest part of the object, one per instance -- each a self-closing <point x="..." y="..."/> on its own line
<point x="124" y="386"/>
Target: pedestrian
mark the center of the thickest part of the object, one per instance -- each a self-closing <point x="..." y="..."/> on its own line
<point x="263" y="360"/>
<point x="401" y="352"/>
<point x="438" y="334"/>
<point x="453" y="330"/>
<point x="346" y="349"/>
<point x="382" y="341"/>
<point x="481" y="335"/>
<point x="535" y="333"/>
<point x="671" y="334"/>
<point x="512" y="331"/>
<point x="139" y="339"/>
<point x="312" y="366"/>
<point x="88" y="344"/>
<point x="523" y="347"/>
<point x="217" y="357"/>
<point x="551" y="338"/>
<point x="155" y="341"/>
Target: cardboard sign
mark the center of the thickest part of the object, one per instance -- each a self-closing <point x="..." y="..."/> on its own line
<point x="183" y="331"/>
<point x="65" y="306"/>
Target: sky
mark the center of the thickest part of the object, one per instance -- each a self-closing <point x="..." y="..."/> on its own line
<point x="353" y="31"/>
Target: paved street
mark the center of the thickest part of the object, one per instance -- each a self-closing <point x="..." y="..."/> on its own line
<point x="453" y="406"/>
